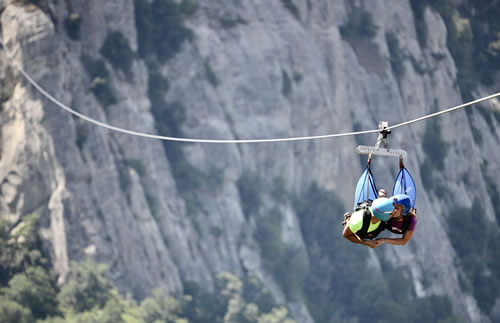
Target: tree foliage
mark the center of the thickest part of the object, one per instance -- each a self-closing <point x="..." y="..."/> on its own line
<point x="100" y="80"/>
<point x="290" y="6"/>
<point x="34" y="289"/>
<point x="72" y="24"/>
<point x="19" y="247"/>
<point x="160" y="27"/>
<point x="27" y="289"/>
<point x="249" y="187"/>
<point x="11" y="311"/>
<point x="86" y="288"/>
<point x="359" y="25"/>
<point x="28" y="292"/>
<point x="118" y="52"/>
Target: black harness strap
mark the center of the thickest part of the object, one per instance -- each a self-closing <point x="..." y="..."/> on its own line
<point x="367" y="217"/>
<point x="363" y="232"/>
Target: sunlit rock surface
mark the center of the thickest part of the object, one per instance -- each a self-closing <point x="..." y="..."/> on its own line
<point x="252" y="70"/>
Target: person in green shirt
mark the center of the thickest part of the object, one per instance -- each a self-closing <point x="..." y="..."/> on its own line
<point x="366" y="223"/>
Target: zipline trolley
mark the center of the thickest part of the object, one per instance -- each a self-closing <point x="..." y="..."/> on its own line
<point x="366" y="189"/>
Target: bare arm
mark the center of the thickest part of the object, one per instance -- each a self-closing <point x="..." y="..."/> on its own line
<point x="399" y="241"/>
<point x="351" y="236"/>
<point x="396" y="241"/>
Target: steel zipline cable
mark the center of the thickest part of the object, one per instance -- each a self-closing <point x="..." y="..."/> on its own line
<point x="225" y="141"/>
<point x="432" y="115"/>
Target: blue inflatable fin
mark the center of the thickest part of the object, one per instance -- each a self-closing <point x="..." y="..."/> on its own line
<point x="365" y="189"/>
<point x="405" y="185"/>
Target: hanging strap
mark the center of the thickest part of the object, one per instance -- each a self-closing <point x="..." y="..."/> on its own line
<point x="382" y="137"/>
<point x="404" y="184"/>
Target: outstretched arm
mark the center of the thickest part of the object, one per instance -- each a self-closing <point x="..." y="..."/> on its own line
<point x="406" y="236"/>
<point x="396" y="241"/>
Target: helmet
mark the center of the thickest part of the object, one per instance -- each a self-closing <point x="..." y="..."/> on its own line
<point x="382" y="208"/>
<point x="403" y="200"/>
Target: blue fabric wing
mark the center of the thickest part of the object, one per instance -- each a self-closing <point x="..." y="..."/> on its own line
<point x="405" y="185"/>
<point x="366" y="185"/>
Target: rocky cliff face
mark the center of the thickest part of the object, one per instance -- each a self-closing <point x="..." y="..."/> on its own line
<point x="249" y="70"/>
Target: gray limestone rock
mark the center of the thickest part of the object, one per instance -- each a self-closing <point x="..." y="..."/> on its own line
<point x="253" y="69"/>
